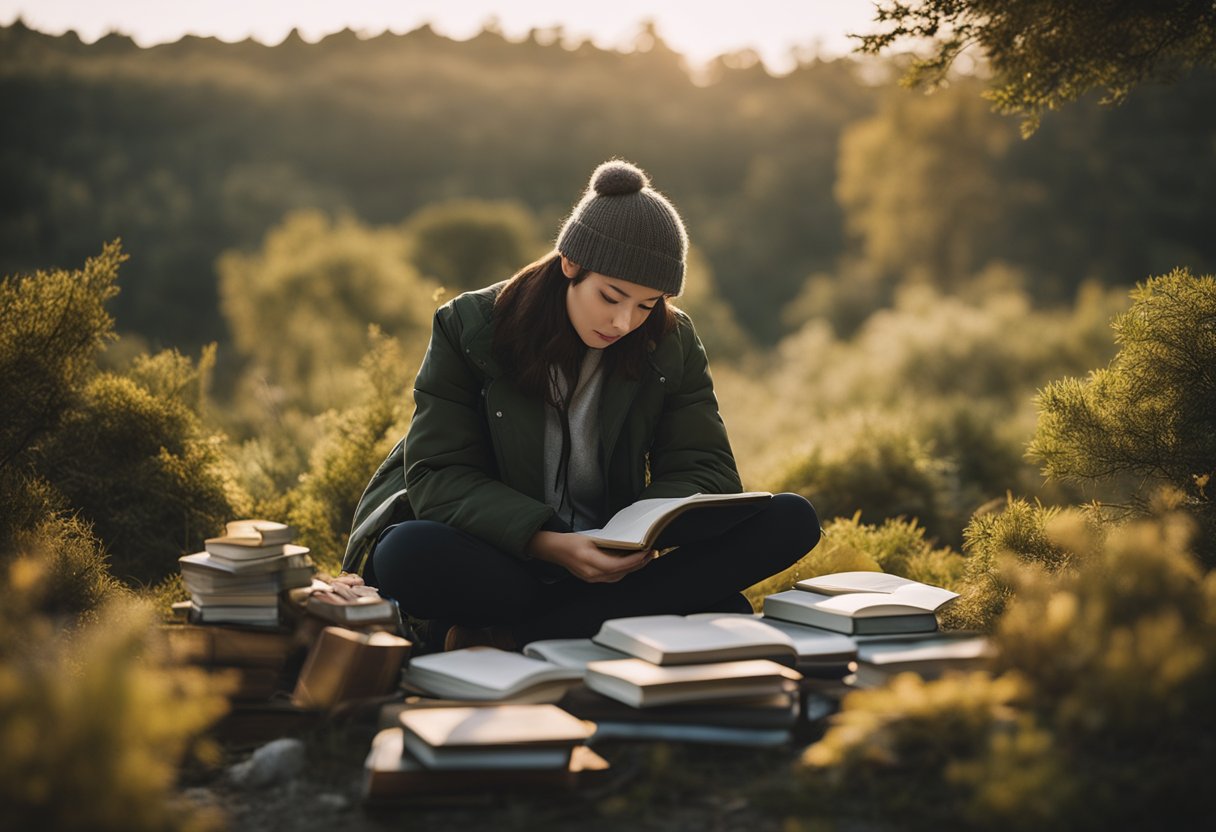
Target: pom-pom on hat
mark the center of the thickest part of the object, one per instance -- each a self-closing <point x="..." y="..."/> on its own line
<point x="624" y="228"/>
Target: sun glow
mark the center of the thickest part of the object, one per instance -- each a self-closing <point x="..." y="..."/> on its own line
<point x="778" y="31"/>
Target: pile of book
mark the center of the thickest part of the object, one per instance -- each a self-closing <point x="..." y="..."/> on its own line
<point x="892" y="620"/>
<point x="722" y="678"/>
<point x="239" y="576"/>
<point x="454" y="750"/>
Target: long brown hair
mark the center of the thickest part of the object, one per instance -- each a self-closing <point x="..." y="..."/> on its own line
<point x="533" y="333"/>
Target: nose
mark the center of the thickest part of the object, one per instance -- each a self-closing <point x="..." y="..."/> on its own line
<point x="620" y="320"/>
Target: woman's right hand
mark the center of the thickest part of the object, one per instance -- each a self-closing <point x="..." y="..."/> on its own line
<point x="583" y="559"/>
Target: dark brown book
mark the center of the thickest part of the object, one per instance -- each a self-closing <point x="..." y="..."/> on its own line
<point x="390" y="774"/>
<point x="345" y="665"/>
<point x="249" y="684"/>
<point x="216" y="645"/>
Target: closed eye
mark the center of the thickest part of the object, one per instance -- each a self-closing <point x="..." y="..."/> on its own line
<point x="613" y="301"/>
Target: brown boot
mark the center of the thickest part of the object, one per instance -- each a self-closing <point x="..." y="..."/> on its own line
<point x="459" y="637"/>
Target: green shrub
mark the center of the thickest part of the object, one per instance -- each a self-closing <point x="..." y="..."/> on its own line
<point x="351" y="446"/>
<point x="152" y="482"/>
<point x="92" y="725"/>
<point x="880" y="471"/>
<point x="896" y="546"/>
<point x="1019" y="530"/>
<point x="1100" y="714"/>
<point x="51" y="326"/>
<point x="1149" y="419"/>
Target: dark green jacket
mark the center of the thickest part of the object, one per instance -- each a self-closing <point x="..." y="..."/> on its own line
<point x="474" y="454"/>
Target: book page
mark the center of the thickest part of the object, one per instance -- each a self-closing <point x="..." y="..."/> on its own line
<point x="632" y="522"/>
<point x="494" y="725"/>
<point x="675" y="634"/>
<point x="840" y="582"/>
<point x="571" y="652"/>
<point x="489" y="667"/>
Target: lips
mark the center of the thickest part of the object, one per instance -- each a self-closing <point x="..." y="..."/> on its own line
<point x="607" y="338"/>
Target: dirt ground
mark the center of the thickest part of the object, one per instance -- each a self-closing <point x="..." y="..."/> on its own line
<point x="651" y="786"/>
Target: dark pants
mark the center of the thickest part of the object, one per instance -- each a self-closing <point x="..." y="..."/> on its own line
<point x="439" y="573"/>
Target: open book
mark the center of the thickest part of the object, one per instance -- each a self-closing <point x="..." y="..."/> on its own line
<point x="641" y="525"/>
<point x="861" y="603"/>
<point x="642" y="684"/>
<point x="674" y="639"/>
<point x="487" y="673"/>
<point x="486" y="738"/>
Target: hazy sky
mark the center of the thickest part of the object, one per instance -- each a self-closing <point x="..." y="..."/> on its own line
<point x="699" y="29"/>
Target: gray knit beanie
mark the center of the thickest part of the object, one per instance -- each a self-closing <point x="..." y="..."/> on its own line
<point x="623" y="228"/>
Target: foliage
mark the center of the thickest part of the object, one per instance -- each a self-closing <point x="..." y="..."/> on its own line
<point x="153" y="483"/>
<point x="468" y="244"/>
<point x="125" y="457"/>
<point x="74" y="573"/>
<point x="51" y="326"/>
<point x="1148" y="419"/>
<point x="848" y="545"/>
<point x="1099" y="715"/>
<point x="1019" y="530"/>
<point x="299" y="307"/>
<point x="92" y="724"/>
<point x="1045" y="53"/>
<point x="879" y="472"/>
<point x="352" y="444"/>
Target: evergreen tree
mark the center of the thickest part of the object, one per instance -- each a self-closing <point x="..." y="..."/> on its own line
<point x="1149" y="419"/>
<point x="1048" y="52"/>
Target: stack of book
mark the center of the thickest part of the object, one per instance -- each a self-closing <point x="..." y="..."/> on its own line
<point x="860" y="603"/>
<point x="238" y="578"/>
<point x="712" y="678"/>
<point x="345" y="666"/>
<point x="487" y="674"/>
<point x="457" y="750"/>
<point x="881" y="659"/>
<point x="256" y="663"/>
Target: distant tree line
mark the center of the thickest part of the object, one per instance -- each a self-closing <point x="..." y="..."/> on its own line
<point x="190" y="149"/>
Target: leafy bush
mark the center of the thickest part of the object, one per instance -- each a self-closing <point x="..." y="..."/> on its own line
<point x="51" y="325"/>
<point x="1149" y="419"/>
<point x="152" y="483"/>
<point x="880" y="471"/>
<point x="92" y="725"/>
<point x="896" y="546"/>
<point x="470" y="243"/>
<point x="35" y="523"/>
<point x="352" y="444"/>
<point x="1099" y="716"/>
<point x="300" y="306"/>
<point x="1019" y="530"/>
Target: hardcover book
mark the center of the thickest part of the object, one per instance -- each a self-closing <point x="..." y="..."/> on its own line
<point x="496" y="737"/>
<point x="487" y="673"/>
<point x="642" y="684"/>
<point x="641" y="525"/>
<point x="391" y="774"/>
<point x="676" y="639"/>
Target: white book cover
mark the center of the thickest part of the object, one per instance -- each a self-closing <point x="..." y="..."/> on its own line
<point x="482" y="673"/>
<point x="639" y="524"/>
<point x="516" y="725"/>
<point x="905" y="601"/>
<point x="676" y="639"/>
<point x="925" y="650"/>
<point x="905" y="590"/>
<point x="574" y="653"/>
<point x="810" y="643"/>
<point x="294" y="556"/>
<point x="640" y="684"/>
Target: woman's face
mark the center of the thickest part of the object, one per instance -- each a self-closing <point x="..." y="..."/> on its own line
<point x="605" y="309"/>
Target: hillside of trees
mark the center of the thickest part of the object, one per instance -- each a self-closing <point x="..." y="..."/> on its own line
<point x="986" y="359"/>
<point x="186" y="150"/>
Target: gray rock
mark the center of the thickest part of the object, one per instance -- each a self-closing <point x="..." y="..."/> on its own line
<point x="275" y="762"/>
